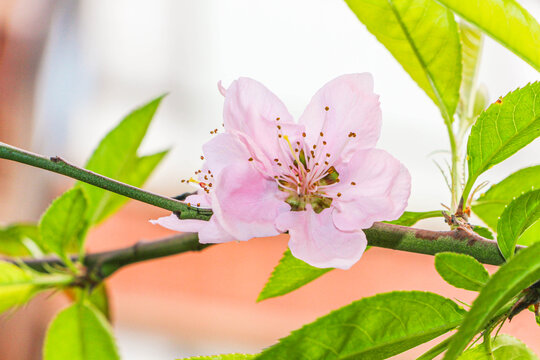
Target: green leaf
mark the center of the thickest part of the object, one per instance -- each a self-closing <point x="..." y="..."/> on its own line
<point x="471" y="48"/>
<point x="519" y="273"/>
<point x="223" y="357"/>
<point x="482" y="231"/>
<point x="116" y="157"/>
<point x="423" y="36"/>
<point x="505" y="21"/>
<point x="136" y="174"/>
<point x="515" y="219"/>
<point x="290" y="274"/>
<point x="61" y="224"/>
<point x="504" y="128"/>
<point x="80" y="332"/>
<point x="530" y="235"/>
<point x="462" y="271"/>
<point x="20" y="240"/>
<point x="16" y="286"/>
<point x="372" y="328"/>
<point x="409" y="218"/>
<point x="503" y="347"/>
<point x="99" y="297"/>
<point x="490" y="205"/>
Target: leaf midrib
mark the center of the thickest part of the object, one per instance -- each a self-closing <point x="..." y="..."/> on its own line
<point x="463" y="275"/>
<point x="423" y="65"/>
<point x="449" y="326"/>
<point x="525" y="272"/>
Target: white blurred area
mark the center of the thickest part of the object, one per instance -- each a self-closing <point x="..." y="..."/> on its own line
<point x="104" y="58"/>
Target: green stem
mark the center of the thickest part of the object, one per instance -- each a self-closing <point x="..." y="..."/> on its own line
<point x="101" y="265"/>
<point x="60" y="166"/>
<point x="436" y="350"/>
<point x="380" y="234"/>
<point x="487" y="343"/>
<point x="454" y="149"/>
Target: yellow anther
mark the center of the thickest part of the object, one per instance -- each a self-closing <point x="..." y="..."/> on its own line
<point x="291" y="148"/>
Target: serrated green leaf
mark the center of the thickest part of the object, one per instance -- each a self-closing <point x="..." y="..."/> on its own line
<point x="136" y="174"/>
<point x="16" y="286"/>
<point x="116" y="157"/>
<point x="520" y="214"/>
<point x="490" y="205"/>
<point x="409" y="218"/>
<point x="503" y="347"/>
<point x="20" y="240"/>
<point x="462" y="271"/>
<point x="222" y="357"/>
<point x="505" y="21"/>
<point x="423" y="37"/>
<point x="61" y="224"/>
<point x="504" y="128"/>
<point x="290" y="274"/>
<point x="80" y="332"/>
<point x="519" y="273"/>
<point x="372" y="328"/>
<point x="471" y="48"/>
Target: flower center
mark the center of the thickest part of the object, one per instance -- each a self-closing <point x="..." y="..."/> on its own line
<point x="305" y="174"/>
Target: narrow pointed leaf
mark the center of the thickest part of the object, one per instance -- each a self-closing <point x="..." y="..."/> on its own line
<point x="515" y="219"/>
<point x="61" y="224"/>
<point x="136" y="174"/>
<point x="490" y="205"/>
<point x="409" y="218"/>
<point x="503" y="347"/>
<point x="290" y="274"/>
<point x="519" y="273"/>
<point x="504" y="128"/>
<point x="423" y="37"/>
<point x="372" y="328"/>
<point x="462" y="271"/>
<point x="505" y="21"/>
<point x="80" y="332"/>
<point x="116" y="157"/>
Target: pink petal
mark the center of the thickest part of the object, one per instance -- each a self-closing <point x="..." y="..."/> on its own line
<point x="315" y="239"/>
<point x="201" y="199"/>
<point x="209" y="231"/>
<point x="223" y="150"/>
<point x="353" y="108"/>
<point x="246" y="203"/>
<point x="382" y="188"/>
<point x="251" y="109"/>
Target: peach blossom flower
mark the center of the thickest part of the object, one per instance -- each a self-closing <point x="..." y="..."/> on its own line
<point x="321" y="179"/>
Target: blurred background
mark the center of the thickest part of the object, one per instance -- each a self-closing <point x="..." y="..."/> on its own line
<point x="70" y="70"/>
